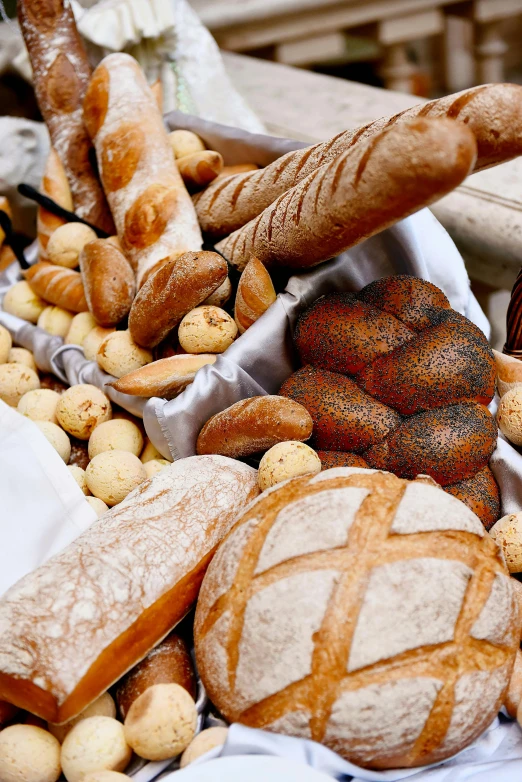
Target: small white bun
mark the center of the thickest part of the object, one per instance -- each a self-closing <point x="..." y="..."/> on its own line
<point x="118" y="354"/>
<point x="81" y="408"/>
<point x="15" y="381"/>
<point x="67" y="242"/>
<point x="40" y="405"/>
<point x="79" y="476"/>
<point x="202" y="743"/>
<point x="105" y="776"/>
<point x="81" y="325"/>
<point x="185" y="142"/>
<point x="150" y="452"/>
<point x="287" y="460"/>
<point x="153" y="466"/>
<point x="103" y="706"/>
<point x="6" y="343"/>
<point x="22" y="301"/>
<point x="507" y="531"/>
<point x="509" y="415"/>
<point x="57" y="437"/>
<point x="113" y="474"/>
<point x="207" y="329"/>
<point x="221" y="295"/>
<point x="91" y="343"/>
<point x="22" y="356"/>
<point x="98" y="506"/>
<point x="161" y="722"/>
<point x="119" y="434"/>
<point x="55" y="321"/>
<point x="94" y="744"/>
<point x="28" y="754"/>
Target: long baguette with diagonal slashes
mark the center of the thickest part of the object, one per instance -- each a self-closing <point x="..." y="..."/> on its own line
<point x="360" y="193"/>
<point x="74" y="626"/>
<point x="493" y="112"/>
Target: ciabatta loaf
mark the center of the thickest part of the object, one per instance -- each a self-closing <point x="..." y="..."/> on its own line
<point x="75" y="625"/>
<point x="153" y="212"/>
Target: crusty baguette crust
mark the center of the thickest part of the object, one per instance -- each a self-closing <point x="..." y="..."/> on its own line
<point x="108" y="280"/>
<point x="255" y="294"/>
<point x="166" y="377"/>
<point x="54" y="185"/>
<point x="360" y="193"/>
<point x="200" y="169"/>
<point x="58" y="285"/>
<point x="493" y="112"/>
<point x="61" y="74"/>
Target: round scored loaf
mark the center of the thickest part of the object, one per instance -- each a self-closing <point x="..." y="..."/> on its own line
<point x="363" y="611"/>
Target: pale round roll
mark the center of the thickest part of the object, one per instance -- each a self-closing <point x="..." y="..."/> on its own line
<point x="22" y="301"/>
<point x="40" y="405"/>
<point x="67" y="242"/>
<point x="202" y="743"/>
<point x="6" y="343"/>
<point x="221" y="295"/>
<point x="287" y="460"/>
<point x="94" y="744"/>
<point x="103" y="706"/>
<point x="81" y="325"/>
<point x="55" y="321"/>
<point x="118" y="354"/>
<point x="82" y="408"/>
<point x="120" y="434"/>
<point x="28" y="754"/>
<point x="105" y="776"/>
<point x="15" y="381"/>
<point x="185" y="142"/>
<point x="150" y="452"/>
<point x="22" y="356"/>
<point x="507" y="531"/>
<point x="207" y="329"/>
<point x="161" y="722"/>
<point x="57" y="437"/>
<point x="113" y="474"/>
<point x="91" y="343"/>
<point x="509" y="415"/>
<point x="154" y="466"/>
<point x="79" y="476"/>
<point x="98" y="506"/>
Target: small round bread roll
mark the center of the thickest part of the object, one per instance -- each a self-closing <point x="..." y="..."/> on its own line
<point x="509" y="415"/>
<point x="207" y="329"/>
<point x="105" y="776"/>
<point x="91" y="343"/>
<point x="81" y="408"/>
<point x="22" y="301"/>
<point x="507" y="531"/>
<point x="67" y="242"/>
<point x="118" y="354"/>
<point x="6" y="343"/>
<point x="113" y="474"/>
<point x="79" y="476"/>
<point x="221" y="295"/>
<point x="55" y="321"/>
<point x="104" y="706"/>
<point x="57" y="437"/>
<point x="120" y="434"/>
<point x="287" y="460"/>
<point x="15" y="381"/>
<point x="205" y="741"/>
<point x="154" y="466"/>
<point x="94" y="744"/>
<point x="149" y="452"/>
<point x="184" y="142"/>
<point x="81" y="325"/>
<point x="161" y="723"/>
<point x="28" y="754"/>
<point x="98" y="506"/>
<point x="40" y="405"/>
<point x="22" y="356"/>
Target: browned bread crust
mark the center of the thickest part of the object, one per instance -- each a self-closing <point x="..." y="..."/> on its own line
<point x="57" y="285"/>
<point x="108" y="280"/>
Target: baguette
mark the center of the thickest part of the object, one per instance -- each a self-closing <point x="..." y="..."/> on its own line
<point x="255" y="294"/>
<point x="166" y="377"/>
<point x="493" y="112"/>
<point x="108" y="281"/>
<point x="57" y="285"/>
<point x="360" y="193"/>
<point x="200" y="169"/>
<point x="55" y="186"/>
<point x="175" y="289"/>
<point x="74" y="626"/>
<point x="154" y="215"/>
<point x="61" y="73"/>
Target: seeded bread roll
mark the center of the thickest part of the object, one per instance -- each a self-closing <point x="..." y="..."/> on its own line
<point x="108" y="281"/>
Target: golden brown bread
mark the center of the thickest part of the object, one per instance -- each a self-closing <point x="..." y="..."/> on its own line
<point x="200" y="169"/>
<point x="55" y="186"/>
<point x="108" y="281"/>
<point x="361" y="192"/>
<point x="166" y="377"/>
<point x="255" y="294"/>
<point x="493" y="112"/>
<point x="57" y="285"/>
<point x="5" y="206"/>
<point x="61" y="73"/>
<point x="514" y="693"/>
<point x="253" y="425"/>
<point x="8" y="712"/>
<point x="172" y="291"/>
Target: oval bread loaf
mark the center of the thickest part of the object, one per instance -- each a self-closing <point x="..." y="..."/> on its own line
<point x="255" y="294"/>
<point x="57" y="285"/>
<point x="165" y="378"/>
<point x="109" y="282"/>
